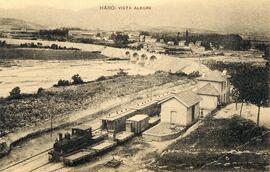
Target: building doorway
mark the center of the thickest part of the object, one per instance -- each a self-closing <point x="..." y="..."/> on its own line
<point x="173" y="117"/>
<point x="193" y="113"/>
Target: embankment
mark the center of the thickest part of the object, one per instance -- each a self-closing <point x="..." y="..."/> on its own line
<point x="234" y="143"/>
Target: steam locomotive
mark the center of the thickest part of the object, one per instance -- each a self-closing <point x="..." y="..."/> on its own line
<point x="70" y="143"/>
<point x="4" y="149"/>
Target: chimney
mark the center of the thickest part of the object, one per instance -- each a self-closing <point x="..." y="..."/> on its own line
<point x="67" y="136"/>
<point x="60" y="136"/>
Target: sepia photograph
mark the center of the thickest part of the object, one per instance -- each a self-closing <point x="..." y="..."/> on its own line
<point x="134" y="85"/>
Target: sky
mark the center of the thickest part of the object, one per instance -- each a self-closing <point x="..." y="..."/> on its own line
<point x="82" y="4"/>
<point x="226" y="15"/>
<point x="74" y="4"/>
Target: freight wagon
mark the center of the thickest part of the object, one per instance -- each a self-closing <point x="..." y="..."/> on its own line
<point x="85" y="155"/>
<point x="89" y="153"/>
<point x="137" y="123"/>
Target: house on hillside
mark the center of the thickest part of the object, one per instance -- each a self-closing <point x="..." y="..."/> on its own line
<point x="197" y="48"/>
<point x="213" y="83"/>
<point x="181" y="109"/>
<point x="182" y="43"/>
<point x="210" y="97"/>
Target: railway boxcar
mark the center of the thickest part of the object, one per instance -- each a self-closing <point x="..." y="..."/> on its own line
<point x="116" y="122"/>
<point x="137" y="123"/>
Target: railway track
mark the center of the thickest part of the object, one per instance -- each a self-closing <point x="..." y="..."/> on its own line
<point x="28" y="160"/>
<point x="25" y="161"/>
<point x="57" y="169"/>
<point x="36" y="168"/>
<point x="86" y="120"/>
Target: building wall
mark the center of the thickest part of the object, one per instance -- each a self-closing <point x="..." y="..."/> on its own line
<point x="208" y="102"/>
<point x="222" y="87"/>
<point x="189" y="114"/>
<point x="173" y="105"/>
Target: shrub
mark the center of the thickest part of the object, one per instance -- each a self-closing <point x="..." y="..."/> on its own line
<point x="54" y="46"/>
<point x="15" y="93"/>
<point x="180" y="73"/>
<point x="194" y="74"/>
<point x="121" y="73"/>
<point x="160" y="72"/>
<point x="77" y="79"/>
<point x="40" y="90"/>
<point x="101" y="78"/>
<point x="62" y="83"/>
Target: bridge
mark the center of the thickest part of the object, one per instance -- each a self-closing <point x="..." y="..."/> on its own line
<point x="140" y="57"/>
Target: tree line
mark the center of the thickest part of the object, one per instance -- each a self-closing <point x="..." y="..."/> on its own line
<point x="250" y="82"/>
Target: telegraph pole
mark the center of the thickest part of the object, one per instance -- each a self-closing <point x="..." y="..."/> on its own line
<point x="51" y="125"/>
<point x="267" y="56"/>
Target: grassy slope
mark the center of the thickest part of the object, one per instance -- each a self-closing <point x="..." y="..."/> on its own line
<point x="59" y="101"/>
<point x="212" y="139"/>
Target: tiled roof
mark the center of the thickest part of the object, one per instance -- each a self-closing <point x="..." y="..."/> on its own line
<point x="213" y="76"/>
<point x="208" y="89"/>
<point x="187" y="98"/>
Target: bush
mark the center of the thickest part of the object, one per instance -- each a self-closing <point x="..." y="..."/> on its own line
<point x="179" y="73"/>
<point x="54" y="46"/>
<point x="101" y="78"/>
<point x="15" y="93"/>
<point x="121" y="73"/>
<point x="161" y="72"/>
<point x="40" y="90"/>
<point x="77" y="79"/>
<point x="62" y="83"/>
<point x="194" y="74"/>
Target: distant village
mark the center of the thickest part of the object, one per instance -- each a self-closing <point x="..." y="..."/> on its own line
<point x="170" y="43"/>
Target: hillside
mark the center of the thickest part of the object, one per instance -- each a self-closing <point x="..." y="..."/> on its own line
<point x="8" y="23"/>
<point x="220" y="144"/>
<point x="58" y="101"/>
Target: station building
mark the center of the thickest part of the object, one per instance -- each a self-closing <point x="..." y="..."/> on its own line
<point x="181" y="109"/>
